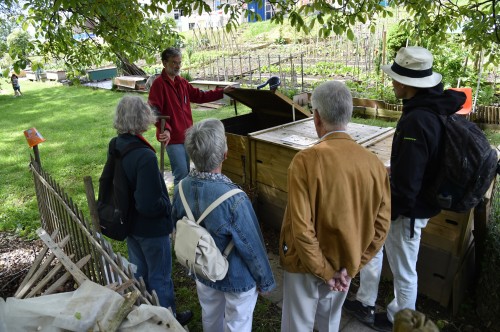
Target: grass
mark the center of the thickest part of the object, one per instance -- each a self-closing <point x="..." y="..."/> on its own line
<point x="77" y="125"/>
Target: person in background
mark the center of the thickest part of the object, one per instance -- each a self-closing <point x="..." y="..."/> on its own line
<point x="228" y="304"/>
<point x="15" y="85"/>
<point x="38" y="74"/>
<point x="171" y="95"/>
<point x="337" y="216"/>
<point x="149" y="242"/>
<point x="415" y="159"/>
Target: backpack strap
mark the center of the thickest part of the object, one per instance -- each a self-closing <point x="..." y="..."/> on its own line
<point x="209" y="209"/>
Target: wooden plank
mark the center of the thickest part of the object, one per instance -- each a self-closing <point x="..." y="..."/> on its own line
<point x="369" y="103"/>
<point x="27" y="286"/>
<point x="122" y="287"/>
<point x="269" y="175"/>
<point x="278" y="197"/>
<point x="305" y="128"/>
<point x="236" y="143"/>
<point x="68" y="264"/>
<point x="59" y="282"/>
<point x="45" y="280"/>
<point x="378" y="137"/>
<point x="36" y="263"/>
<point x="232" y="165"/>
<point x="450" y="231"/>
<point x="269" y="102"/>
<point x="270" y="205"/>
<point x="378" y="113"/>
<point x="381" y="146"/>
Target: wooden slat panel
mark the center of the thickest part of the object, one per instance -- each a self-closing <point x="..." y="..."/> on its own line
<point x="271" y="205"/>
<point x="278" y="197"/>
<point x="68" y="264"/>
<point x="237" y="144"/>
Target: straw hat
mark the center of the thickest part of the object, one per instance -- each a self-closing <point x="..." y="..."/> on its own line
<point x="413" y="67"/>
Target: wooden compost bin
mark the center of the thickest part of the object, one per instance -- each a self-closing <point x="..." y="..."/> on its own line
<point x="273" y="149"/>
<point x="269" y="109"/>
<point x="56" y="75"/>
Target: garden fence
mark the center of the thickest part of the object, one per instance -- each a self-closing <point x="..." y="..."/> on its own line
<point x="484" y="116"/>
<point x="60" y="216"/>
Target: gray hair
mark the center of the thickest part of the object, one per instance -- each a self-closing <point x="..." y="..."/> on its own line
<point x="206" y="144"/>
<point x="170" y="52"/>
<point x="132" y="116"/>
<point x="333" y="102"/>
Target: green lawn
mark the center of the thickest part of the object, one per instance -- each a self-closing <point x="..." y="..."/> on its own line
<point x="77" y="123"/>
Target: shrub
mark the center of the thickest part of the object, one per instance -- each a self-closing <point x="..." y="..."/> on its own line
<point x="488" y="287"/>
<point x="396" y="38"/>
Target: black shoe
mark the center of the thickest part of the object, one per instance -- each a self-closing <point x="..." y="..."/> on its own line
<point x="365" y="314"/>
<point x="184" y="317"/>
<point x="382" y="323"/>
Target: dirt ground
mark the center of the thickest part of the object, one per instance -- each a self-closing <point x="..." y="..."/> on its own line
<point x="16" y="256"/>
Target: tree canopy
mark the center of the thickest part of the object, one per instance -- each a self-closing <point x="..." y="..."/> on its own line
<point x="135" y="29"/>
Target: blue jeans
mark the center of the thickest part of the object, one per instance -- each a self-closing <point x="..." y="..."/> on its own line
<point x="179" y="161"/>
<point x="153" y="258"/>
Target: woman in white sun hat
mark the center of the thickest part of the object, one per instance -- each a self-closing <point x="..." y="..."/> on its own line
<point x="415" y="156"/>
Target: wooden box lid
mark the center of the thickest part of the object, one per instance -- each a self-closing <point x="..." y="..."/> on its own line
<point x="266" y="101"/>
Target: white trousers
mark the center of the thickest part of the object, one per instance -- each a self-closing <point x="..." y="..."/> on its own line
<point x="308" y="300"/>
<point x="369" y="278"/>
<point x="223" y="311"/>
<point x="402" y="255"/>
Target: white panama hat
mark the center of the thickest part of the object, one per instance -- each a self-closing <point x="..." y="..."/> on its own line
<point x="413" y="67"/>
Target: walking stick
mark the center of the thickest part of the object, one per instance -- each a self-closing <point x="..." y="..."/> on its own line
<point x="162" y="118"/>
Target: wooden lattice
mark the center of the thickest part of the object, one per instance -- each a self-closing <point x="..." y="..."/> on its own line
<point x="81" y="240"/>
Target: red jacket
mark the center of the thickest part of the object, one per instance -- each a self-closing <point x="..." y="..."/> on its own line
<point x="173" y="98"/>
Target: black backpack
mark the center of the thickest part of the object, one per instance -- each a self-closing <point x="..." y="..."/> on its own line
<point x="116" y="199"/>
<point x="468" y="165"/>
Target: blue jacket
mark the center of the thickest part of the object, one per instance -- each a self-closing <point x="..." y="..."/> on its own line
<point x="234" y="219"/>
<point x="151" y="215"/>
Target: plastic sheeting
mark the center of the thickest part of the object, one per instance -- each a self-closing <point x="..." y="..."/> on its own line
<point x="89" y="308"/>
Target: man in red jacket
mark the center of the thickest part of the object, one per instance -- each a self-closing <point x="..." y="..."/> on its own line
<point x="172" y="95"/>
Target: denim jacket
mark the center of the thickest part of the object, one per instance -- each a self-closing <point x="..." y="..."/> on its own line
<point x="234" y="219"/>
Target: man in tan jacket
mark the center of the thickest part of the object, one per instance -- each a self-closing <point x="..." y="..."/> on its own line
<point x="337" y="216"/>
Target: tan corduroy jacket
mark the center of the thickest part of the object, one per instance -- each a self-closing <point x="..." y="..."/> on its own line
<point x="339" y="208"/>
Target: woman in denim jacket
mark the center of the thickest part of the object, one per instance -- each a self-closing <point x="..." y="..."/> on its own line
<point x="228" y="304"/>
